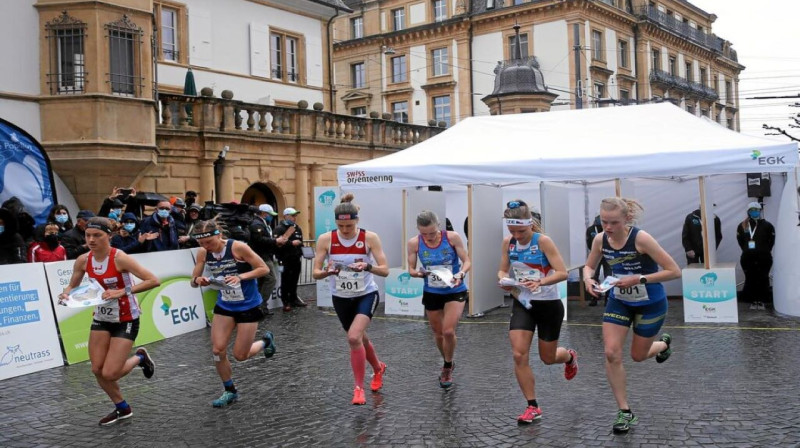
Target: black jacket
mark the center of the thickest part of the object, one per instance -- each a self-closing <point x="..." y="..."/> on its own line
<point x="73" y="241"/>
<point x="692" y="236"/>
<point x="289" y="251"/>
<point x="167" y="233"/>
<point x="12" y="246"/>
<point x="592" y="232"/>
<point x="763" y="236"/>
<point x="262" y="241"/>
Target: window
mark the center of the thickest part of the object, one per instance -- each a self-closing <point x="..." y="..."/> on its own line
<point x="729" y="92"/>
<point x="399" y="69"/>
<point x="359" y="75"/>
<point x="439" y="10"/>
<point x="169" y="34"/>
<point x="124" y="45"/>
<point x="441" y="109"/>
<point x="689" y="71"/>
<point x="357" y="28"/>
<point x="285" y="57"/>
<point x="359" y="111"/>
<point x="673" y="68"/>
<point x="400" y="111"/>
<point x="399" y="19"/>
<point x="656" y="60"/>
<point x="523" y="42"/>
<point x="519" y="2"/>
<point x="622" y="49"/>
<point x="440" y="62"/>
<point x="67" y="67"/>
<point x="704" y="112"/>
<point x="703" y="75"/>
<point x="730" y="124"/>
<point x="690" y="109"/>
<point x="597" y="45"/>
<point x="599" y="90"/>
<point x="624" y="96"/>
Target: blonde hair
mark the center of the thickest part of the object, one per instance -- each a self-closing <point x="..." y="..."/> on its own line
<point x="346" y="206"/>
<point x="631" y="209"/>
<point x="207" y="226"/>
<point x="522" y="212"/>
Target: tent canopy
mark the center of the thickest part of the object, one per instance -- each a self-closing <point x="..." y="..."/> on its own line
<point x="652" y="140"/>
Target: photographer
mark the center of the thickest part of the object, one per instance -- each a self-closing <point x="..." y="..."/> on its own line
<point x="290" y="242"/>
<point x="263" y="242"/>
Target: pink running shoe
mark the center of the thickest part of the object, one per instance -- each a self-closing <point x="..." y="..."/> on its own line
<point x="531" y="413"/>
<point x="571" y="368"/>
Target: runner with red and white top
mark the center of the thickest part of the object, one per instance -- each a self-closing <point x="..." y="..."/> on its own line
<point x="116" y="321"/>
<point x="350" y="252"/>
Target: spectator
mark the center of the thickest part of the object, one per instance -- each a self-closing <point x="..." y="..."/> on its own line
<point x="190" y="198"/>
<point x="74" y="241"/>
<point x="756" y="237"/>
<point x="12" y="246"/>
<point x="192" y="218"/>
<point x="265" y="245"/>
<point x="60" y="215"/>
<point x="161" y="227"/>
<point x="129" y="239"/>
<point x="26" y="227"/>
<point x="692" y="236"/>
<point x="115" y="202"/>
<point x="178" y="213"/>
<point x="290" y="242"/>
<point x="50" y="249"/>
<point x="591" y="232"/>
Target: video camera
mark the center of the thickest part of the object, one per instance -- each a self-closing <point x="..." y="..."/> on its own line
<point x="234" y="218"/>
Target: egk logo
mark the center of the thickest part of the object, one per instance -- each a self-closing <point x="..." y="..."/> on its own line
<point x="771" y="160"/>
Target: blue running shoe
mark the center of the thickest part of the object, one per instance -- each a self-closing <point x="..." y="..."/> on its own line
<point x="269" y="344"/>
<point x="225" y="399"/>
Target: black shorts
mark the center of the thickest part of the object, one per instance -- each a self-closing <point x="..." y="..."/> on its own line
<point x="254" y="314"/>
<point x="125" y="330"/>
<point x="545" y="314"/>
<point x="435" y="302"/>
<point x="347" y="308"/>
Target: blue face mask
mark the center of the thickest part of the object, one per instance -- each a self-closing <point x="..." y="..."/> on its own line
<point x="129" y="227"/>
<point x="163" y="214"/>
<point x="118" y="211"/>
<point x="61" y="219"/>
<point x="2" y="229"/>
<point x="755" y="214"/>
<point x="268" y="218"/>
<point x="113" y="216"/>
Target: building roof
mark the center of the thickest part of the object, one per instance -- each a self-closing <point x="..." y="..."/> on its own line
<point x="335" y="4"/>
<point x="354" y="3"/>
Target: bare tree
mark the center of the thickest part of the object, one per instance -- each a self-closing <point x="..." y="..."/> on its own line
<point x="780" y="131"/>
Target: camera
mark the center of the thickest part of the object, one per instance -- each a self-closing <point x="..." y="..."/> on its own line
<point x="234" y="218"/>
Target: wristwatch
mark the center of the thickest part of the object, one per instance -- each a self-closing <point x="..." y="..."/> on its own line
<point x="460" y="275"/>
<point x="642" y="279"/>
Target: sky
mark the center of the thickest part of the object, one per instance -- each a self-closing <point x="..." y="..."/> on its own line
<point x="766" y="35"/>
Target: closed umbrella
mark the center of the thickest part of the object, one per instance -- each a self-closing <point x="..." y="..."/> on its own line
<point x="189" y="89"/>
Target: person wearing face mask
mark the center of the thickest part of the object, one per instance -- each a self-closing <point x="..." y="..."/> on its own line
<point x="756" y="237"/>
<point x="264" y="243"/>
<point x="159" y="229"/>
<point x="12" y="246"/>
<point x="290" y="253"/>
<point x="129" y="239"/>
<point x="115" y="202"/>
<point x="50" y="249"/>
<point x="75" y="240"/>
<point x="60" y="215"/>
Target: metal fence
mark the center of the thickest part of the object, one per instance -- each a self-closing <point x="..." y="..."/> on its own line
<point x="308" y="266"/>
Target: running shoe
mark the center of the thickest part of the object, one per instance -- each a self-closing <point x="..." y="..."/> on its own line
<point x="116" y="416"/>
<point x="531" y="413"/>
<point x="377" y="378"/>
<point x="446" y="378"/>
<point x="225" y="399"/>
<point x="761" y="306"/>
<point x="358" y="396"/>
<point x="624" y="422"/>
<point x="147" y="364"/>
<point x="571" y="368"/>
<point x="754" y="306"/>
<point x="664" y="355"/>
<point x="269" y="344"/>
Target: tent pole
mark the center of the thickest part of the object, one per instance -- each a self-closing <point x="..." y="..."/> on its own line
<point x="470" y="223"/>
<point x="541" y="202"/>
<point x="704" y="222"/>
<point x="618" y="187"/>
<point x="405" y="230"/>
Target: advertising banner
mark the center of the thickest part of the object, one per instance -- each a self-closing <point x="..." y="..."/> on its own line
<point x="326" y="199"/>
<point x="168" y="310"/>
<point x="403" y="293"/>
<point x="28" y="334"/>
<point x="709" y="295"/>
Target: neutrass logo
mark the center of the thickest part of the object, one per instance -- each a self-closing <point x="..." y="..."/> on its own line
<point x="770" y="160"/>
<point x="359" y="177"/>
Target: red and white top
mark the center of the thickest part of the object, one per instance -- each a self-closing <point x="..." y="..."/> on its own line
<point x="349" y="283"/>
<point x="124" y="309"/>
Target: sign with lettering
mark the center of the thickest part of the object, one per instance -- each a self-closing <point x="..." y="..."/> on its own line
<point x="404" y="293"/>
<point x="709" y="295"/>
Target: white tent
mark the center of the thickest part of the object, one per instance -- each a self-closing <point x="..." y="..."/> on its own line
<point x="589" y="144"/>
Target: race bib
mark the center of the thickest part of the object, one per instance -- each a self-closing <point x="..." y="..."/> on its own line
<point x="232" y="294"/>
<point x="350" y="283"/>
<point x="635" y="293"/>
<point x="106" y="313"/>
<point x="435" y="281"/>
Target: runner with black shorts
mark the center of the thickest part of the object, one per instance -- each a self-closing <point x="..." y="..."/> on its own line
<point x="350" y="252"/>
<point x="115" y="323"/>
<point x="637" y="299"/>
<point x="233" y="268"/>
<point x="532" y="260"/>
<point x="443" y="301"/>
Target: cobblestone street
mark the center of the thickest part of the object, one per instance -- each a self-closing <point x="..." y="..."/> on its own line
<point x="726" y="385"/>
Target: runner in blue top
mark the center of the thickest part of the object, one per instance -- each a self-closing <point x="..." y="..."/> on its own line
<point x="637" y="298"/>
<point x="232" y="268"/>
<point x="531" y="267"/>
<point x="440" y="252"/>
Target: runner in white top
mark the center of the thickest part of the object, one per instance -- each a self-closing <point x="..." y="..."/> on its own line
<point x="350" y="252"/>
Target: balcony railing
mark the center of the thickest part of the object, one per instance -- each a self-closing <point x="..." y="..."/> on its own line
<point x="207" y="113"/>
<point x="708" y="40"/>
<point x="691" y="88"/>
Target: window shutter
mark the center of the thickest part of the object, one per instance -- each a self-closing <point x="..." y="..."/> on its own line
<point x="259" y="50"/>
<point x="200" y="51"/>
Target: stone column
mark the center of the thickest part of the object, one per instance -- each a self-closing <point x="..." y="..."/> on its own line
<point x="207" y="188"/>
<point x="301" y="198"/>
<point x="226" y="192"/>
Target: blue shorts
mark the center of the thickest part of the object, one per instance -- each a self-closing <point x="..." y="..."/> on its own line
<point x="347" y="308"/>
<point x="646" y="320"/>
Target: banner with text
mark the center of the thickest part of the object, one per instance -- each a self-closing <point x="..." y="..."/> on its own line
<point x="403" y="293"/>
<point x="709" y="295"/>
<point x="28" y="334"/>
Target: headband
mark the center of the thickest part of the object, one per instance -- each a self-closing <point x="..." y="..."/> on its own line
<point x="517" y="222"/>
<point x="98" y="226"/>
<point x="346" y="216"/>
<point x="197" y="236"/>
